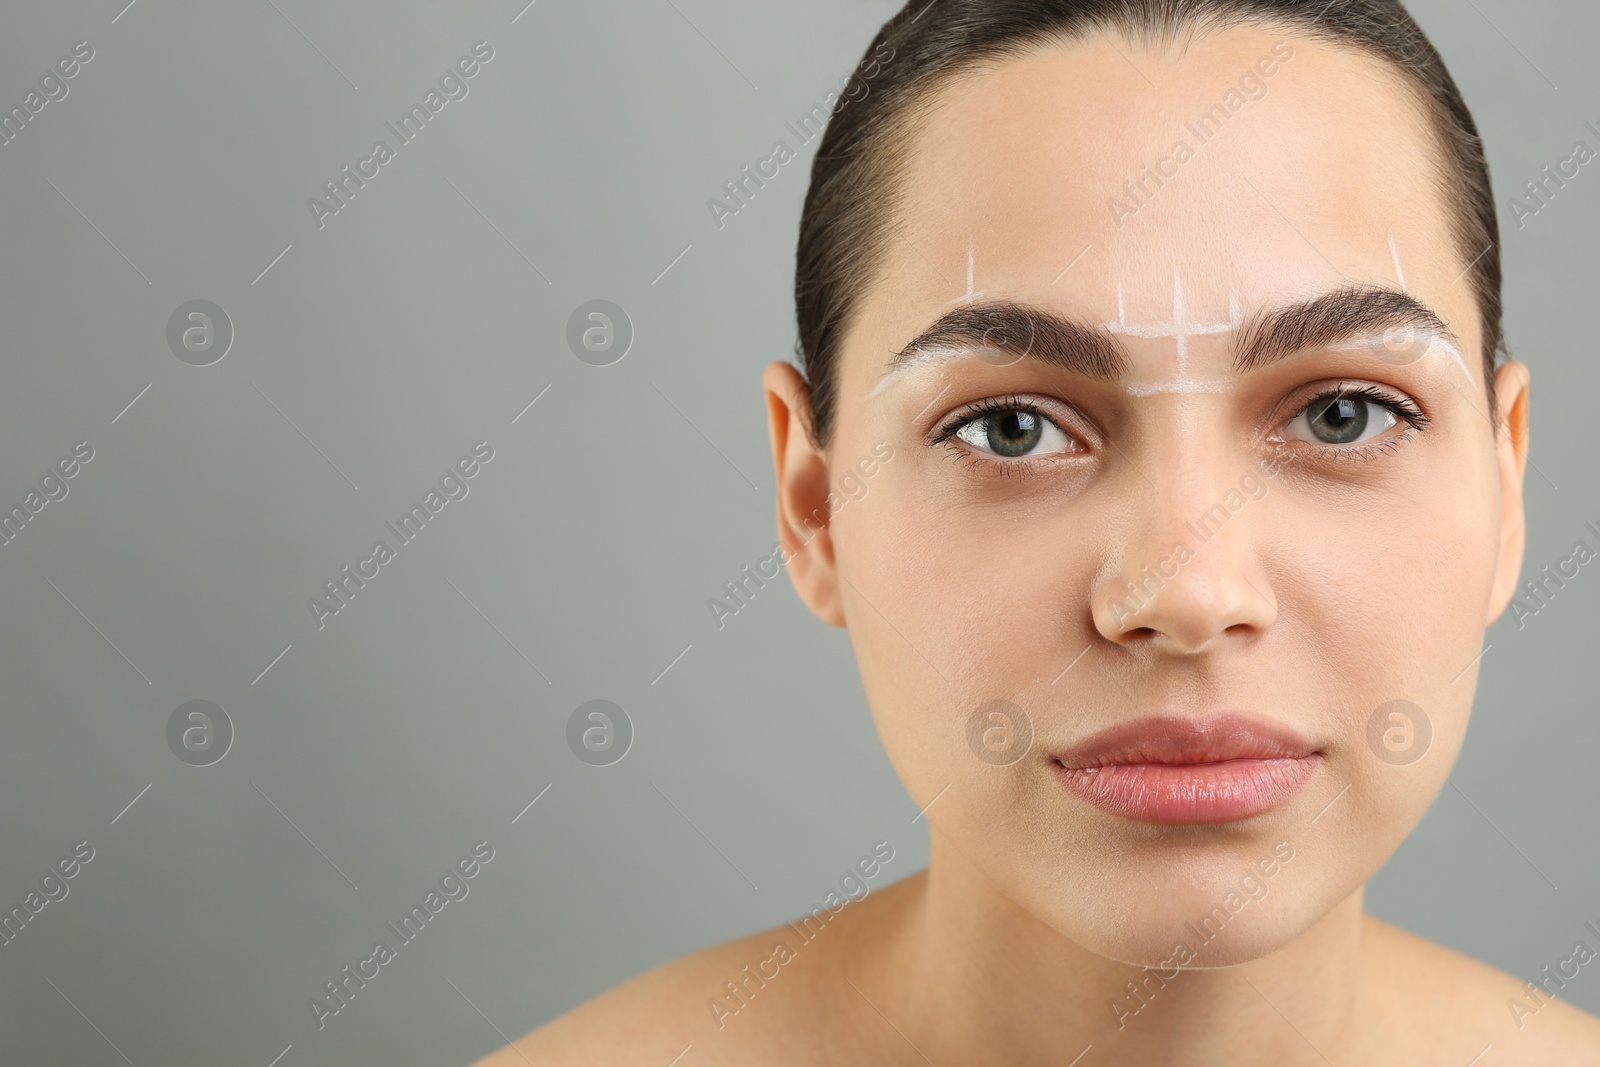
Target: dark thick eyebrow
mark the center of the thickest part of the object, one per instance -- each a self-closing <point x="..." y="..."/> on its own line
<point x="1024" y="331"/>
<point x="1265" y="337"/>
<point x="1341" y="315"/>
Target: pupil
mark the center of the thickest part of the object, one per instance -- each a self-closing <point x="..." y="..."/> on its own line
<point x="1341" y="420"/>
<point x="1014" y="433"/>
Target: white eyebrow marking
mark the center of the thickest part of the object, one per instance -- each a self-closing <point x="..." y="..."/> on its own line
<point x="971" y="295"/>
<point x="1180" y="329"/>
<point x="924" y="356"/>
<point x="1399" y="271"/>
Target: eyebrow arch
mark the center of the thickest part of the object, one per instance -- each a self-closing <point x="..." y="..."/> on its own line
<point x="1023" y="330"/>
<point x="1325" y="321"/>
<point x="1267" y="336"/>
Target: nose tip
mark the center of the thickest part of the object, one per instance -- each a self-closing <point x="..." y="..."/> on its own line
<point x="1187" y="599"/>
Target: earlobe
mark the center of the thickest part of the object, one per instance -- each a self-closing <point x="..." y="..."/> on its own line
<point x="1511" y="401"/>
<point x="801" y="472"/>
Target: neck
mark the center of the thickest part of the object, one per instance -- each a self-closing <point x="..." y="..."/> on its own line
<point x="983" y="980"/>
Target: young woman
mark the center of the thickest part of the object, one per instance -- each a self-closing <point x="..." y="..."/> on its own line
<point x="1169" y="331"/>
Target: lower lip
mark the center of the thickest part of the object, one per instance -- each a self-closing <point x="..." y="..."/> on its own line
<point x="1190" y="792"/>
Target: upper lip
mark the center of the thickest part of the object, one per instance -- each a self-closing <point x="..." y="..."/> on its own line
<point x="1176" y="739"/>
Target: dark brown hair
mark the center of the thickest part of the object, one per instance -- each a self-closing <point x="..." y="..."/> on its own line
<point x="850" y="206"/>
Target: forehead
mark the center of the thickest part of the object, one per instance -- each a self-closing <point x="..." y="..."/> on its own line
<point x="1058" y="176"/>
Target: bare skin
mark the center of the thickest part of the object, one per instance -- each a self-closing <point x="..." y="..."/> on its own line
<point x="1418" y="1003"/>
<point x="1364" y="571"/>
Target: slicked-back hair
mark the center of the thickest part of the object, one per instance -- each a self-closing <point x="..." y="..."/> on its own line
<point x="856" y="189"/>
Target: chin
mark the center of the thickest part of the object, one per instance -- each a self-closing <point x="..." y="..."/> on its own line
<point x="1208" y="937"/>
<point x="1189" y="898"/>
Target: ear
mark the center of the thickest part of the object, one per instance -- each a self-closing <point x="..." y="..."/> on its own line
<point x="802" y="478"/>
<point x="1511" y="400"/>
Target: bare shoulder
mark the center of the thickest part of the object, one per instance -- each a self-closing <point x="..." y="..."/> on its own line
<point x="1458" y="1003"/>
<point x="753" y="1000"/>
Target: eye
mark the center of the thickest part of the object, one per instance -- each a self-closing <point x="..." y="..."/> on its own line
<point x="1010" y="429"/>
<point x="1348" y="417"/>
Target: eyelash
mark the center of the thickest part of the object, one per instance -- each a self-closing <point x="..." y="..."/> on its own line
<point x="1403" y="408"/>
<point x="990" y="405"/>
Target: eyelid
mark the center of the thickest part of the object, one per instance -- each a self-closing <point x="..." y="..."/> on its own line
<point x="1075" y="427"/>
<point x="1408" y="414"/>
<point x="1405" y="407"/>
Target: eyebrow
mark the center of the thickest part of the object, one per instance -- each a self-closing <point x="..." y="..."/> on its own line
<point x="1266" y="337"/>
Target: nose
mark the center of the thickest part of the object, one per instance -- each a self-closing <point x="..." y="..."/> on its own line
<point x="1185" y="574"/>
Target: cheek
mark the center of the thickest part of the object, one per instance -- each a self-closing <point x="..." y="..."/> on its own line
<point x="1383" y="611"/>
<point x="950" y="608"/>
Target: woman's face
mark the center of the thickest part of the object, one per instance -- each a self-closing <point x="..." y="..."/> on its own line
<point x="1162" y="511"/>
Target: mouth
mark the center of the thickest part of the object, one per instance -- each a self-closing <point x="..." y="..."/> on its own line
<point x="1172" y="770"/>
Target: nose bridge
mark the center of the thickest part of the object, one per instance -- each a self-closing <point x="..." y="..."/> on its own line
<point x="1185" y="569"/>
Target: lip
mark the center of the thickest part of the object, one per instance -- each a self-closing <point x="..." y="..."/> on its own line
<point x="1170" y="769"/>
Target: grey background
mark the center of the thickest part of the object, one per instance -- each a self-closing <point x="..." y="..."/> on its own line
<point x="425" y="716"/>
